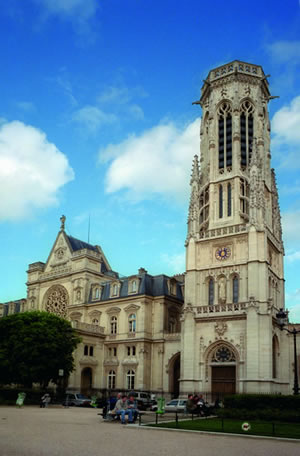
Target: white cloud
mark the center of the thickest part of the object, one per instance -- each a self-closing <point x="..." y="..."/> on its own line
<point x="157" y="162"/>
<point x="285" y="51"/>
<point x="92" y="118"/>
<point x="26" y="106"/>
<point x="291" y="226"/>
<point x="121" y="99"/>
<point x="83" y="9"/>
<point x="31" y="170"/>
<point x="113" y="94"/>
<point x="286" y="134"/>
<point x="136" y="111"/>
<point x="286" y="121"/>
<point x="292" y="301"/>
<point x="176" y="262"/>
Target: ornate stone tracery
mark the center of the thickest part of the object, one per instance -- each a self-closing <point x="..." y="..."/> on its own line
<point x="57" y="300"/>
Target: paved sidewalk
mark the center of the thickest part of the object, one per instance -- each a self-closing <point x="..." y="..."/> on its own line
<point x="32" y="431"/>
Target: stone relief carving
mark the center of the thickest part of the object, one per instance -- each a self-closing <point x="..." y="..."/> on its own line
<point x="221" y="328"/>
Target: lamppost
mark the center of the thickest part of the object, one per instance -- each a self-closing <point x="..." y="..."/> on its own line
<point x="282" y="319"/>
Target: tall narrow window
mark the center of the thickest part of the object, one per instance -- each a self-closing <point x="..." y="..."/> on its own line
<point x="113" y="325"/>
<point x="220" y="201"/>
<point x="111" y="380"/>
<point x="229" y="200"/>
<point x="130" y="379"/>
<point x="132" y="323"/>
<point x="86" y="350"/>
<point x="225" y="136"/>
<point x="211" y="292"/>
<point x="244" y="197"/>
<point x="133" y="286"/>
<point x="91" y="350"/>
<point x="235" y="289"/>
<point x="246" y="127"/>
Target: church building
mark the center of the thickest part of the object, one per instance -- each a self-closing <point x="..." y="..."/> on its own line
<point x="212" y="330"/>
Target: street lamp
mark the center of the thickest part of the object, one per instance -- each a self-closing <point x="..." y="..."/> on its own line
<point x="282" y="319"/>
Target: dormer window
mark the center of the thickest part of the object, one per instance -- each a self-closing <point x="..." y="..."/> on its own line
<point x="115" y="289"/>
<point x="133" y="286"/>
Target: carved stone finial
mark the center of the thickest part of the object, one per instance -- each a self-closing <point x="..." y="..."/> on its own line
<point x="62" y="220"/>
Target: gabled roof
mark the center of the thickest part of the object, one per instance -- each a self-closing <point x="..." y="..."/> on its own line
<point x="76" y="244"/>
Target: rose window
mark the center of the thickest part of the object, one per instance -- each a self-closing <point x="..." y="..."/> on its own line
<point x="57" y="301"/>
<point x="223" y="355"/>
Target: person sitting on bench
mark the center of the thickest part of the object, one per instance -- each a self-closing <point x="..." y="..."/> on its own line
<point x="122" y="409"/>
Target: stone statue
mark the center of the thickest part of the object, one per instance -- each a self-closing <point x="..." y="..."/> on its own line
<point x="62" y="220"/>
<point x="222" y="290"/>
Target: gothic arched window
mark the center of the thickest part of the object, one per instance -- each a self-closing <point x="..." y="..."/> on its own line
<point x="225" y="135"/>
<point x="235" y="289"/>
<point x="211" y="292"/>
<point x="246" y="126"/>
<point x="220" y="201"/>
<point x="228" y="200"/>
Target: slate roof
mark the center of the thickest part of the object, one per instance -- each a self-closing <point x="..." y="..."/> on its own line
<point x="148" y="285"/>
<point x="76" y="244"/>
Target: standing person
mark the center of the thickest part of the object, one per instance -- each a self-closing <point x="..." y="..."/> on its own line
<point x="45" y="400"/>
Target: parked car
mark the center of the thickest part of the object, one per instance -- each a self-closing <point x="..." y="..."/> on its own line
<point x="77" y="399"/>
<point x="153" y="406"/>
<point x="176" y="405"/>
<point x="142" y="398"/>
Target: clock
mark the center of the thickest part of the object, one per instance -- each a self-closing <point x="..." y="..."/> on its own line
<point x="222" y="253"/>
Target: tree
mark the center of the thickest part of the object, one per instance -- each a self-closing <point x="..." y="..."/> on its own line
<point x="34" y="346"/>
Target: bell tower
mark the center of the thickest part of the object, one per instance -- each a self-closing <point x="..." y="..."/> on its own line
<point x="234" y="251"/>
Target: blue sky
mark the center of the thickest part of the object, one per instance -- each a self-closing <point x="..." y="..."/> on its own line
<point x="96" y="120"/>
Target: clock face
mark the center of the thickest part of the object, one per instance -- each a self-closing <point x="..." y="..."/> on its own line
<point x="222" y="253"/>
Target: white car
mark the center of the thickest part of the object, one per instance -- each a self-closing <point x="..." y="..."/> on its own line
<point x="79" y="400"/>
<point x="176" y="405"/>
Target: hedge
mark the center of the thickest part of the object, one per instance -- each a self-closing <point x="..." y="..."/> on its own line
<point x="262" y="401"/>
<point x="269" y="407"/>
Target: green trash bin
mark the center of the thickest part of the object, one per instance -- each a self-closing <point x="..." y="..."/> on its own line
<point x="161" y="405"/>
<point x="21" y="399"/>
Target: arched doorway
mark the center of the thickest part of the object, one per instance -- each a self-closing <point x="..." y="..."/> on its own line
<point x="86" y="381"/>
<point x="222" y="360"/>
<point x="174" y="375"/>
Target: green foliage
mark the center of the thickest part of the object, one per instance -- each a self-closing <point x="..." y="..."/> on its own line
<point x="269" y="407"/>
<point x="262" y="401"/>
<point x="258" y="401"/>
<point x="258" y="427"/>
<point x="34" y="346"/>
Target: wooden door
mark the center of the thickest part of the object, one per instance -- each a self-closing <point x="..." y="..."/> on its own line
<point x="223" y="380"/>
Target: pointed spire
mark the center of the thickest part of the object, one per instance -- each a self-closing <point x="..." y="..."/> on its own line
<point x="195" y="170"/>
<point x="62" y="222"/>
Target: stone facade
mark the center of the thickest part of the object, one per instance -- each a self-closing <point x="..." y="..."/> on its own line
<point x="138" y="332"/>
<point x="130" y="326"/>
<point x="234" y="283"/>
